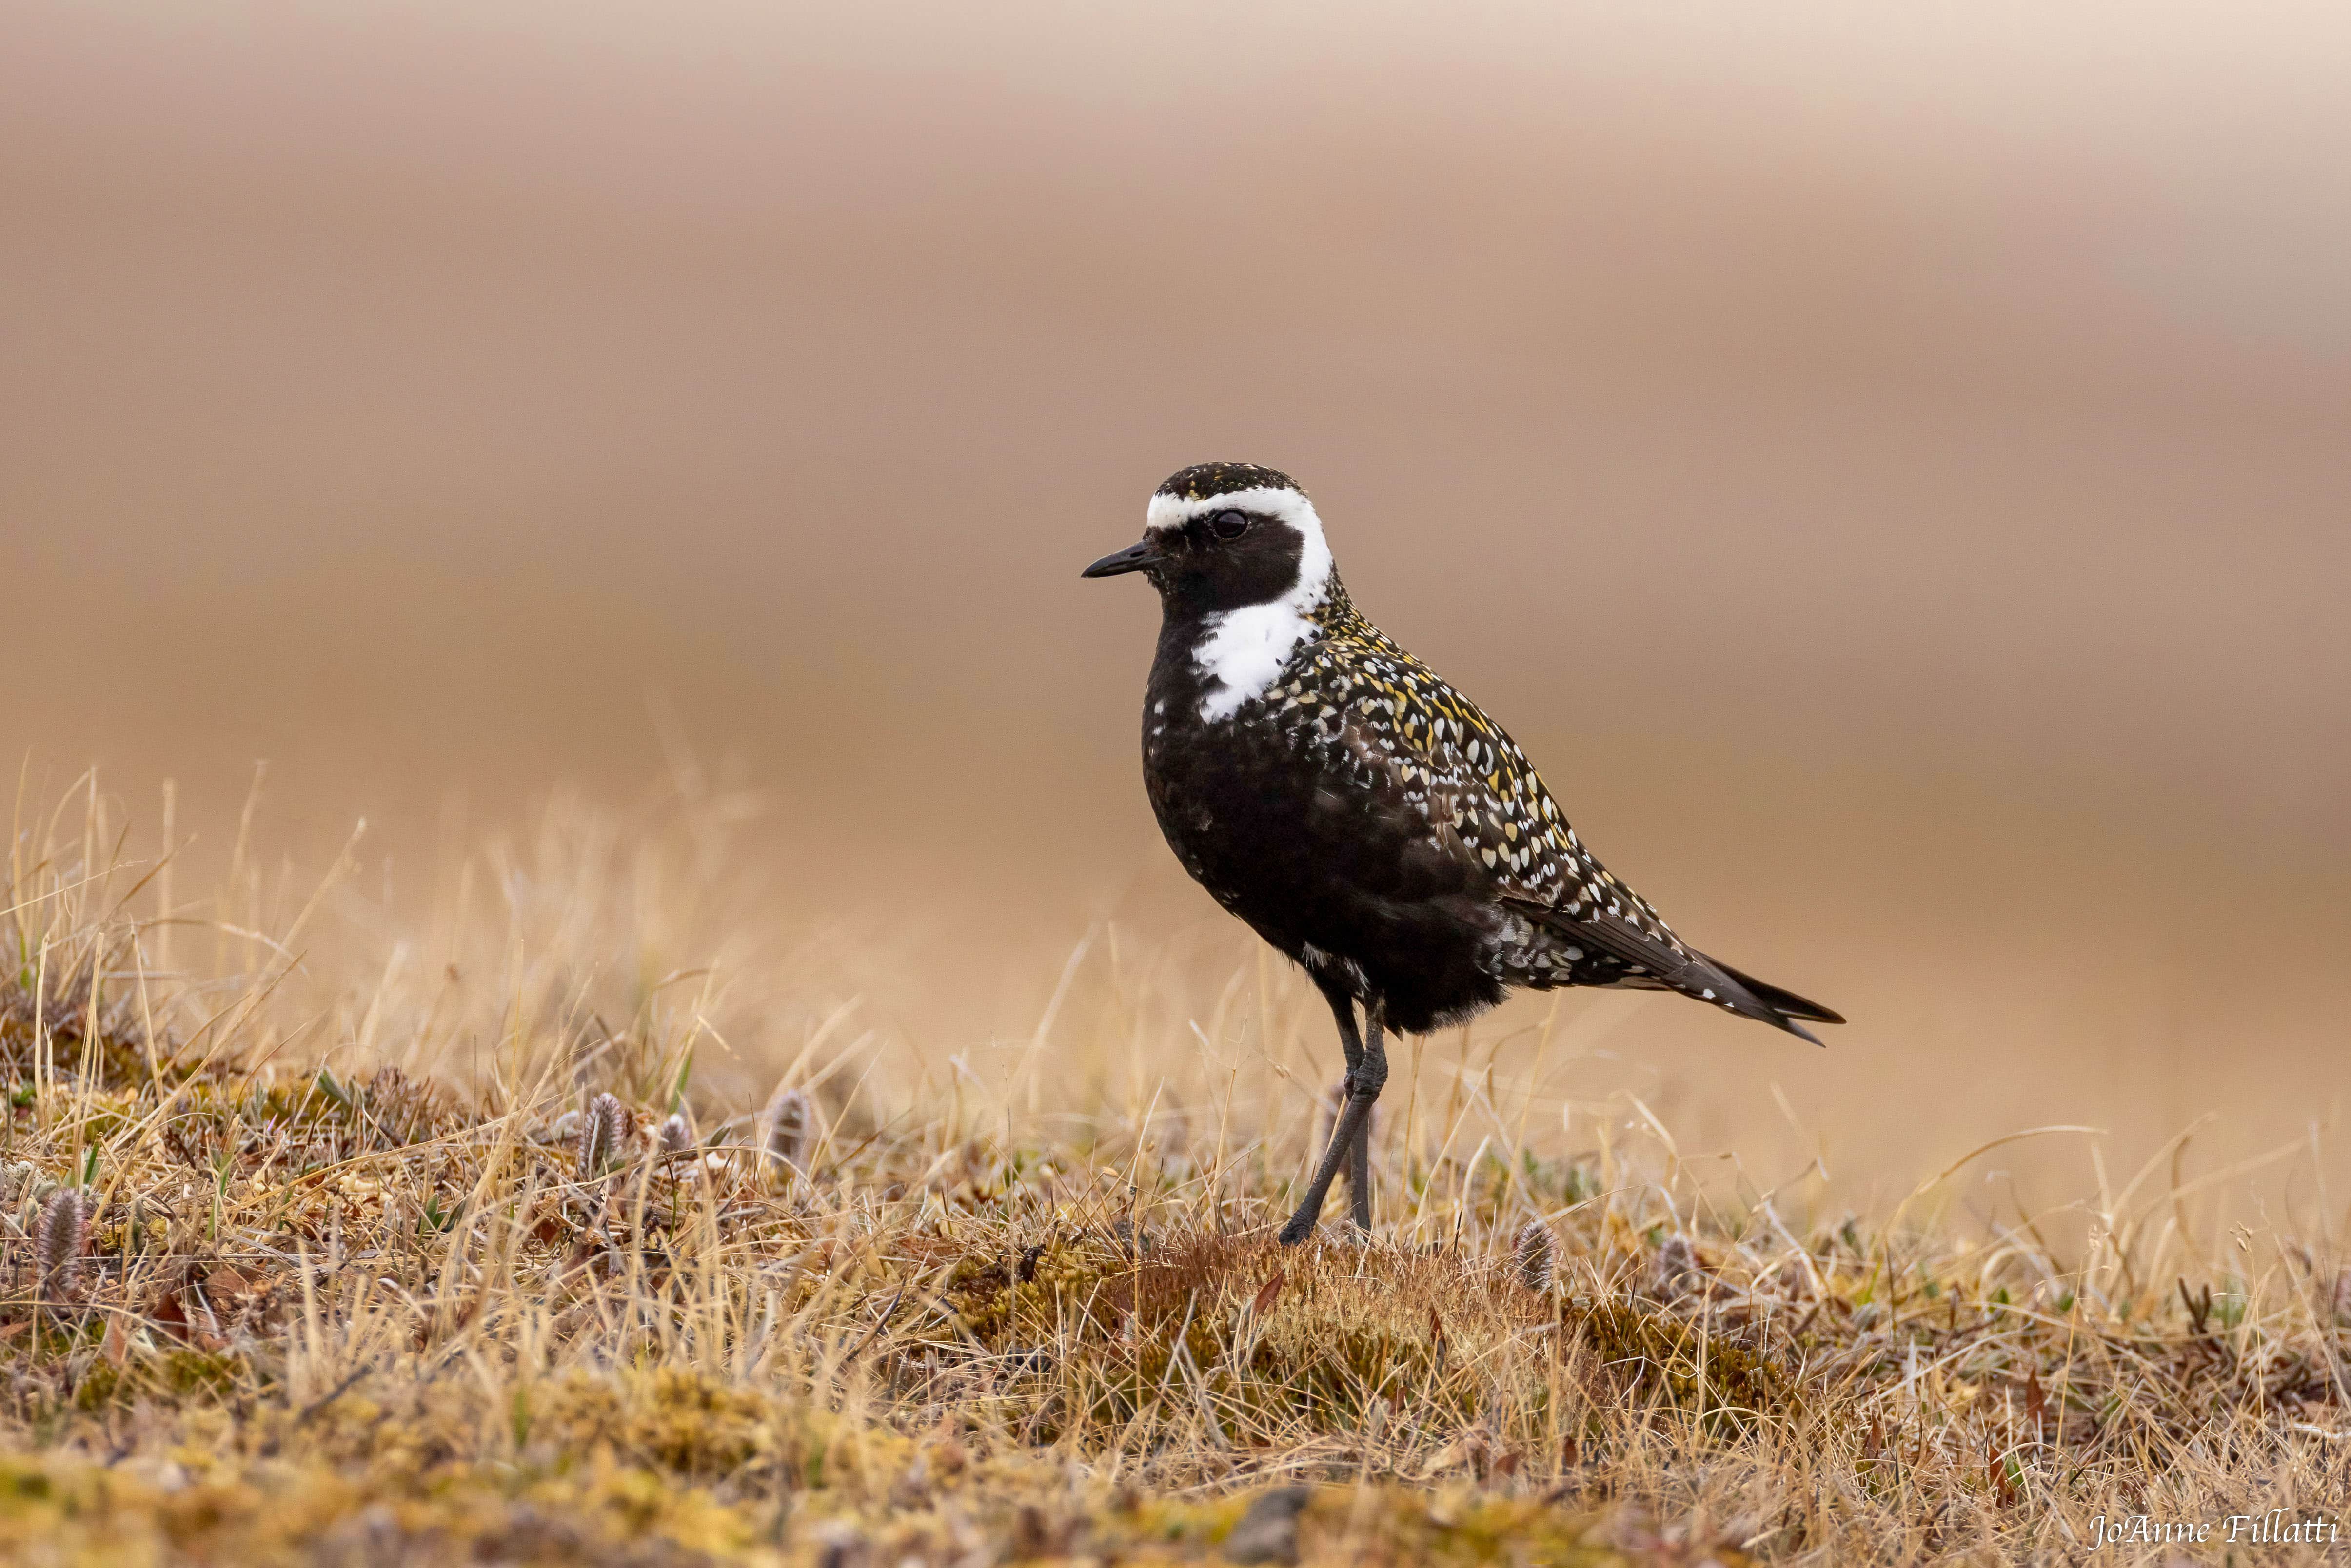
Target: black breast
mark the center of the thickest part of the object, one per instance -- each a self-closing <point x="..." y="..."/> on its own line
<point x="1324" y="859"/>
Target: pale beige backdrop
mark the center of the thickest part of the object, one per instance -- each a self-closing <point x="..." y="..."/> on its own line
<point x="1891" y="467"/>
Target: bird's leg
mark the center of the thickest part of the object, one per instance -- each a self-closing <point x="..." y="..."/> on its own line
<point x="1359" y="1153"/>
<point x="1365" y="1077"/>
<point x="1359" y="1176"/>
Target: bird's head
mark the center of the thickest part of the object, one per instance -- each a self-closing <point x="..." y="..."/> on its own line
<point x="1221" y="537"/>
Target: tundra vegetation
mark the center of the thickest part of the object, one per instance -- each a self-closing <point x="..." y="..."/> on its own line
<point x="493" y="1239"/>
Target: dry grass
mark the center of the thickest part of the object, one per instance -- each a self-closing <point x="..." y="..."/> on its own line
<point x="467" y="1291"/>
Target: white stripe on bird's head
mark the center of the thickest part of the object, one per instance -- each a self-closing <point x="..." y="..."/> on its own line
<point x="1261" y="500"/>
<point x="1273" y="502"/>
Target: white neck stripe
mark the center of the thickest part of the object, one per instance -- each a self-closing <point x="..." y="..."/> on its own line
<point x="1243" y="651"/>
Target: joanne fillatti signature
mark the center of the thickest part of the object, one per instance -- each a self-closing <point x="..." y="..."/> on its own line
<point x="2278" y="1527"/>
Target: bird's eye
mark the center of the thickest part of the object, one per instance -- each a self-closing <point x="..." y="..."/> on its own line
<point x="1229" y="525"/>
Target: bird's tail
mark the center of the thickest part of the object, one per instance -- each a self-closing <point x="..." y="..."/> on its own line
<point x="1686" y="970"/>
<point x="1785" y="1006"/>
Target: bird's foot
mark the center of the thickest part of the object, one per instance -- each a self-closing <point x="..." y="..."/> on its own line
<point x="1294" y="1234"/>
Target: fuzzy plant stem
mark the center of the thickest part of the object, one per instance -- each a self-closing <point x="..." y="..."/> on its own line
<point x="1536" y="1255"/>
<point x="602" y="1131"/>
<point x="61" y="1236"/>
<point x="786" y="1121"/>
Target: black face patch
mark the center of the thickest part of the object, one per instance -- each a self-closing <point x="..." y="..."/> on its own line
<point x="1204" y="574"/>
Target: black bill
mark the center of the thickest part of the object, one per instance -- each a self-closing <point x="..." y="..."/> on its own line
<point x="1135" y="557"/>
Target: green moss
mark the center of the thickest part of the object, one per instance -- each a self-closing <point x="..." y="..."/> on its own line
<point x="696" y="1426"/>
<point x="1730" y="1383"/>
<point x="98" y="1388"/>
<point x="199" y="1374"/>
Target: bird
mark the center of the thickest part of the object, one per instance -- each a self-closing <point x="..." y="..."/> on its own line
<point x="1361" y="815"/>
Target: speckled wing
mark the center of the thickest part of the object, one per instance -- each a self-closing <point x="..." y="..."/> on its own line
<point x="1482" y="799"/>
<point x="1568" y="921"/>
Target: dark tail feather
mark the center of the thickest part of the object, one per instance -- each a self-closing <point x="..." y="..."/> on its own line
<point x="1787" y="1004"/>
<point x="1686" y="970"/>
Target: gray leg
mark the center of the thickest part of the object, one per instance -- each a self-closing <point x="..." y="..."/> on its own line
<point x="1365" y="1077"/>
<point x="1343" y="1011"/>
<point x="1359" y="1176"/>
<point x="1359" y="1153"/>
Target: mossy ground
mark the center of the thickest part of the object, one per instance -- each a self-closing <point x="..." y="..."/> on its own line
<point x="358" y="1313"/>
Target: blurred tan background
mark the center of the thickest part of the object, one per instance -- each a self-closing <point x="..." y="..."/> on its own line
<point x="1891" y="468"/>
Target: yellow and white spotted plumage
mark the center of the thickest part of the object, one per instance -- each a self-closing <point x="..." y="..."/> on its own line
<point x="1366" y="706"/>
